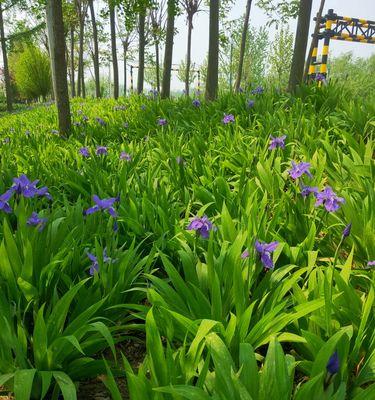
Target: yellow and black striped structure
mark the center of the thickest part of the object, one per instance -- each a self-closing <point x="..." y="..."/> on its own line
<point x="334" y="27"/>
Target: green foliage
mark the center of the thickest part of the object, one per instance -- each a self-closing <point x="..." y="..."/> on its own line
<point x="31" y="69"/>
<point x="216" y="325"/>
<point x="280" y="57"/>
<point x="356" y="75"/>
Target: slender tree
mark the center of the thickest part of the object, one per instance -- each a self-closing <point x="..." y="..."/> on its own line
<point x="81" y="7"/>
<point x="157" y="16"/>
<point x="243" y="45"/>
<point x="213" y="51"/>
<point x="72" y="72"/>
<point x="95" y="52"/>
<point x="112" y="20"/>
<point x="56" y="40"/>
<point x="300" y="44"/>
<point x="8" y="86"/>
<point x="191" y="7"/>
<point x="168" y="51"/>
<point x="141" y="50"/>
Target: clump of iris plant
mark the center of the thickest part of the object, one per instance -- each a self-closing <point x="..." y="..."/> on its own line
<point x="84" y="152"/>
<point x="35" y="220"/>
<point x="298" y="170"/>
<point x="103" y="205"/>
<point x="101" y="150"/>
<point x="265" y="251"/>
<point x="125" y="156"/>
<point x="228" y="118"/>
<point x="162" y="121"/>
<point x="329" y="199"/>
<point x="276" y="142"/>
<point x="202" y="225"/>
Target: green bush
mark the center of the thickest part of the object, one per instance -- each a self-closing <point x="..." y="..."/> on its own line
<point x="32" y="74"/>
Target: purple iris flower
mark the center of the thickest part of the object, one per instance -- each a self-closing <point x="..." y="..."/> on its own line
<point x="228" y="118"/>
<point x="100" y="121"/>
<point x="298" y="170"/>
<point x="265" y="250"/>
<point x="125" y="156"/>
<point x="162" y="122"/>
<point x="102" y="205"/>
<point x="143" y="107"/>
<point x="54" y="131"/>
<point x="306" y="190"/>
<point x="101" y="150"/>
<point x="85" y="118"/>
<point x="84" y="151"/>
<point x="277" y="142"/>
<point x="201" y="225"/>
<point x="35" y="220"/>
<point x="320" y="77"/>
<point x="333" y="364"/>
<point x="95" y="264"/>
<point x="346" y="231"/>
<point x="371" y="263"/>
<point x="6" y="140"/>
<point x="27" y="133"/>
<point x="196" y="103"/>
<point x="245" y="254"/>
<point x="23" y="186"/>
<point x="4" y="201"/>
<point x="329" y="199"/>
<point x="257" y="90"/>
<point x="125" y="124"/>
<point x="250" y="103"/>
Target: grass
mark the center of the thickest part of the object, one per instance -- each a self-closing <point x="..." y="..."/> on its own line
<point x="214" y="321"/>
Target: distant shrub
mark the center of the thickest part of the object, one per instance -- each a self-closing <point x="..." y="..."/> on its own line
<point x="32" y="75"/>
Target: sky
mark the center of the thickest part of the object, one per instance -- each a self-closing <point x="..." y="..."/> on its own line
<point x="352" y="8"/>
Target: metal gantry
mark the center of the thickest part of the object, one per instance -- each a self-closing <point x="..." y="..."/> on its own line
<point x="334" y="27"/>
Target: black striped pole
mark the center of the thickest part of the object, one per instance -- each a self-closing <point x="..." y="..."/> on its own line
<point x="327" y="37"/>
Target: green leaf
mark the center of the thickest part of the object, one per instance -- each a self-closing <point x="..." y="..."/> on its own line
<point x="23" y="383"/>
<point x="66" y="385"/>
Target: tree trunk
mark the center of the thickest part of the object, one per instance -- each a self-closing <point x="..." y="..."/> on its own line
<point x="213" y="52"/>
<point x="157" y="62"/>
<point x="298" y="61"/>
<point x="188" y="55"/>
<point x="141" y="52"/>
<point x="96" y="49"/>
<point x="168" y="52"/>
<point x="125" y="45"/>
<point x="243" y="46"/>
<point x="56" y="38"/>
<point x="83" y="83"/>
<point x="8" y="86"/>
<point x="72" y="72"/>
<point x="80" y="54"/>
<point x="314" y="41"/>
<point x="114" y="50"/>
